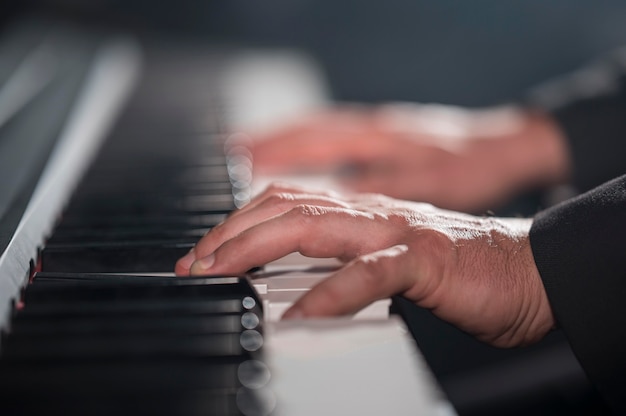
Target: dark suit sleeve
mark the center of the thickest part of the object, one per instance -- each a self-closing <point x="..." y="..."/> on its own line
<point x="580" y="250"/>
<point x="590" y="107"/>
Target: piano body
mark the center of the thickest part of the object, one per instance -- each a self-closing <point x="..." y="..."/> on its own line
<point x="115" y="157"/>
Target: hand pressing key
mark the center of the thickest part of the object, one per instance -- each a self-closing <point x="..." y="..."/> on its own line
<point x="477" y="273"/>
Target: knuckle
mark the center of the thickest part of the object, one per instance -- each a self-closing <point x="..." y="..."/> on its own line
<point x="310" y="222"/>
<point x="281" y="198"/>
<point x="280" y="202"/>
<point x="399" y="219"/>
<point x="307" y="216"/>
<point x="308" y="213"/>
<point x="434" y="238"/>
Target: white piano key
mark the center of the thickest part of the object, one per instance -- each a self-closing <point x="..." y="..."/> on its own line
<point x="261" y="288"/>
<point x="343" y="367"/>
<point x="294" y="261"/>
<point x="286" y="277"/>
<point x="276" y="303"/>
<point x="270" y="86"/>
<point x="289" y="282"/>
<point x="284" y="281"/>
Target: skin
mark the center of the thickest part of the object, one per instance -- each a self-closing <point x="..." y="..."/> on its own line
<point x="478" y="273"/>
<point x="455" y="158"/>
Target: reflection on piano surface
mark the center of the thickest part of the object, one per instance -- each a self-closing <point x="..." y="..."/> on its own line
<point x="94" y="322"/>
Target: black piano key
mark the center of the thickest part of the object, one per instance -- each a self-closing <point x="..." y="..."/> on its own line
<point x="159" y="206"/>
<point x="152" y="143"/>
<point x="118" y="295"/>
<point x="69" y="403"/>
<point x="116" y="190"/>
<point x="128" y="346"/>
<point x="78" y="278"/>
<point x="157" y="177"/>
<point x="115" y="257"/>
<point x="61" y="295"/>
<point x="127" y="308"/>
<point x="179" y="220"/>
<point x="136" y="288"/>
<point x="118" y="375"/>
<point x="114" y="383"/>
<point x="107" y="324"/>
<point x="123" y="191"/>
<point x="91" y="235"/>
<point x="238" y="284"/>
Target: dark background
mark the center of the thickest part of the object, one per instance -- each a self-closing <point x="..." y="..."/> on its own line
<point x="474" y="53"/>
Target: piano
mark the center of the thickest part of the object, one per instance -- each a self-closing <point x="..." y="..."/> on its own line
<point x="115" y="157"/>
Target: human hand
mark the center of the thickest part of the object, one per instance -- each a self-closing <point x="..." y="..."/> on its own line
<point x="478" y="273"/>
<point x="467" y="160"/>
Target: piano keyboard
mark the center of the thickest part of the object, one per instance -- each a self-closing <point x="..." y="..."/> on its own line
<point x="103" y="344"/>
<point x="97" y="322"/>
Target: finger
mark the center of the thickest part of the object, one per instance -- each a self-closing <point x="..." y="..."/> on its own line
<point x="184" y="263"/>
<point x="303" y="147"/>
<point x="365" y="280"/>
<point x="284" y="188"/>
<point x="278" y="198"/>
<point x="322" y="141"/>
<point x="271" y="206"/>
<point x="313" y="231"/>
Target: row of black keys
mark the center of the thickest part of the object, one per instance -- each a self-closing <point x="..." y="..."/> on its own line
<point x="96" y="344"/>
<point x="122" y="344"/>
<point x="132" y="214"/>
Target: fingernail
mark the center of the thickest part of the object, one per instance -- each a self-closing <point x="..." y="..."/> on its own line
<point x="293" y="313"/>
<point x="187" y="260"/>
<point x="203" y="264"/>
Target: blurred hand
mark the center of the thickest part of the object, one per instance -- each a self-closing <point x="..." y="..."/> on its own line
<point x="467" y="160"/>
<point x="477" y="273"/>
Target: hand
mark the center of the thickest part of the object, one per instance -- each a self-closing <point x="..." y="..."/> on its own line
<point x="468" y="160"/>
<point x="477" y="273"/>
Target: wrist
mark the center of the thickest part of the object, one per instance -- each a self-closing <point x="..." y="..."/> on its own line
<point x="531" y="314"/>
<point x="540" y="318"/>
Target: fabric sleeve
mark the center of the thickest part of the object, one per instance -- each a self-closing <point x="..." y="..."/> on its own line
<point x="580" y="250"/>
<point x="590" y="107"/>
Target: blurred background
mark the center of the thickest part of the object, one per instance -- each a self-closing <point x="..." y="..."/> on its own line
<point x="471" y="53"/>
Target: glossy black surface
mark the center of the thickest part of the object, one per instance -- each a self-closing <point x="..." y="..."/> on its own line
<point x="83" y="341"/>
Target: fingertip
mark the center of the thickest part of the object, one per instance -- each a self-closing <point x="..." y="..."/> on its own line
<point x="202" y="265"/>
<point x="293" y="313"/>
<point x="180" y="271"/>
<point x="184" y="263"/>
